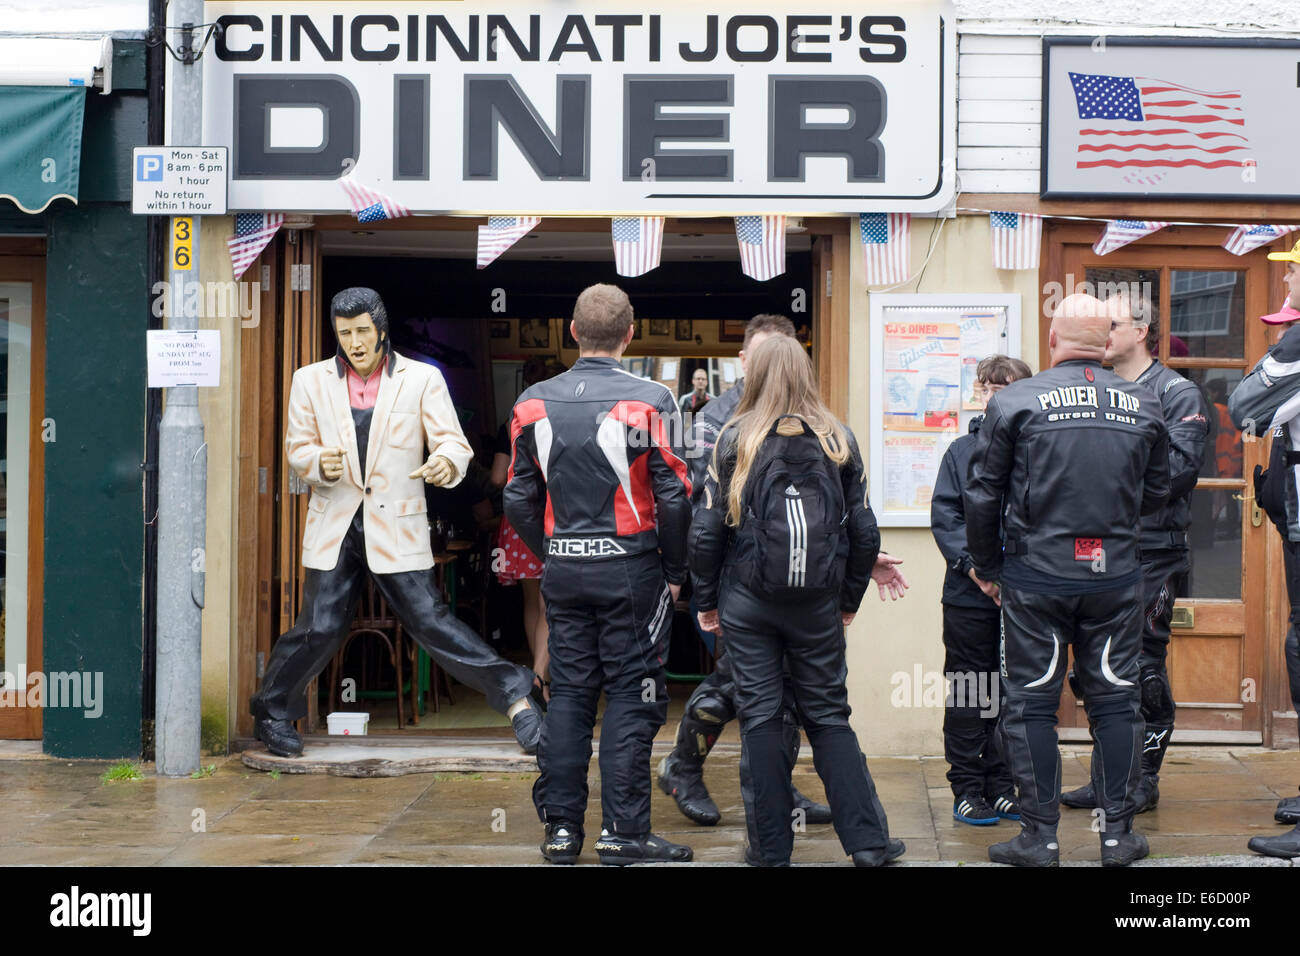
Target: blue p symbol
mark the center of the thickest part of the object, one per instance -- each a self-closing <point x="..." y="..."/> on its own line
<point x="148" y="168"/>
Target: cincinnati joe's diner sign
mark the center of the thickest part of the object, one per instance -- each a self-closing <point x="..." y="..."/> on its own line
<point x="578" y="106"/>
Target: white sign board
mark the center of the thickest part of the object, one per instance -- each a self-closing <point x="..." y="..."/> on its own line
<point x="554" y="107"/>
<point x="184" y="358"/>
<point x="179" y="180"/>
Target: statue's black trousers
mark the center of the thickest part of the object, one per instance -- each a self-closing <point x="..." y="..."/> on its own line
<point x="329" y="600"/>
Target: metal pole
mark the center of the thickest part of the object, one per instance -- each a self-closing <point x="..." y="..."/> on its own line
<point x="182" y="460"/>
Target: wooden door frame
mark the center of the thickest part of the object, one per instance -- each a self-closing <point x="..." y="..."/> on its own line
<point x="267" y="542"/>
<point x="1200" y="247"/>
<point x="25" y="723"/>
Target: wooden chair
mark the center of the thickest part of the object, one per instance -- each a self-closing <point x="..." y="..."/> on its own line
<point x="375" y="619"/>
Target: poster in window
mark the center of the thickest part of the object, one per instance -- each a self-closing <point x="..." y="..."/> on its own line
<point x="922" y="376"/>
<point x="979" y="340"/>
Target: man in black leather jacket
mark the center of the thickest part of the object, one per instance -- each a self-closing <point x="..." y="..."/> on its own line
<point x="1134" y="338"/>
<point x="598" y="485"/>
<point x="1077" y="454"/>
<point x="1268" y="399"/>
<point x="982" y="789"/>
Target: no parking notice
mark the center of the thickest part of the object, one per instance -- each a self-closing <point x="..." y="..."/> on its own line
<point x="184" y="358"/>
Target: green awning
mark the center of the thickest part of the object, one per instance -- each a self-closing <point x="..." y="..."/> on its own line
<point x="40" y="144"/>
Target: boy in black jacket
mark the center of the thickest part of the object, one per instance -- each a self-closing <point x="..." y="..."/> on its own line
<point x="972" y="631"/>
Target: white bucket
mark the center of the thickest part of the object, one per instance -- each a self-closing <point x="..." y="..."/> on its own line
<point x="345" y="724"/>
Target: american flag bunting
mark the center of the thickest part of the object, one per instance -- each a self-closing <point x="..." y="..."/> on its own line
<point x="762" y="246"/>
<point x="1246" y="238"/>
<point x="500" y="233"/>
<point x="253" y="231"/>
<point x="1016" y="239"/>
<point x="1123" y="231"/>
<point x="369" y="205"/>
<point x="638" y="241"/>
<point x="886" y="240"/>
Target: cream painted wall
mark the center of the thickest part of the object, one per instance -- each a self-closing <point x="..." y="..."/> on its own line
<point x="219" y="408"/>
<point x="900" y="636"/>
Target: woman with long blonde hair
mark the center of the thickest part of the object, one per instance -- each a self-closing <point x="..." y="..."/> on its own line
<point x="782" y="548"/>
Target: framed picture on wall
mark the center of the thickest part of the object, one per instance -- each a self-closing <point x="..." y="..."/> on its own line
<point x="534" y="334"/>
<point x="500" y="329"/>
<point x="636" y="328"/>
<point x="569" y="341"/>
<point x="684" y="333"/>
<point x="731" y="330"/>
<point x="661" y="326"/>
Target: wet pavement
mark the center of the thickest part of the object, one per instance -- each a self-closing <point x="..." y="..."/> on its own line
<point x="61" y="812"/>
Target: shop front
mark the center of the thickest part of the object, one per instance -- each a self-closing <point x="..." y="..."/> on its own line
<point x="707" y="117"/>
<point x="73" y="306"/>
<point x="687" y="123"/>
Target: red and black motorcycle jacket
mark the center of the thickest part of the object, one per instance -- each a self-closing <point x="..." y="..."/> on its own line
<point x="598" y="468"/>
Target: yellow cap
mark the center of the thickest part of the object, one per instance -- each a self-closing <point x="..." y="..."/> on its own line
<point x="1292" y="256"/>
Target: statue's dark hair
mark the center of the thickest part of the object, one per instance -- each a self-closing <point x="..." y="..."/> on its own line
<point x="352" y="302"/>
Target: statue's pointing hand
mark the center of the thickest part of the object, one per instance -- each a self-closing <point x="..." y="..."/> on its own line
<point x="436" y="471"/>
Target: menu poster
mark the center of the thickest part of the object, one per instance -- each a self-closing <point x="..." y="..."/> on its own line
<point x="922" y="365"/>
<point x="911" y="461"/>
<point x="979" y="339"/>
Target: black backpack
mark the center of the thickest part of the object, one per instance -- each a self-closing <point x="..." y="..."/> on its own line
<point x="791" y="539"/>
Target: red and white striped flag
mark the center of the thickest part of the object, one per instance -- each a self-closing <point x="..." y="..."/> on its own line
<point x="1121" y="232"/>
<point x="637" y="243"/>
<point x="1245" y="238"/>
<point x="762" y="246"/>
<point x="253" y="230"/>
<point x="1016" y="239"/>
<point x="369" y="205"/>
<point x="886" y="240"/>
<point x="500" y="233"/>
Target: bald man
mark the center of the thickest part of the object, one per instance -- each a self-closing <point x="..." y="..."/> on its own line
<point x="1078" y="454"/>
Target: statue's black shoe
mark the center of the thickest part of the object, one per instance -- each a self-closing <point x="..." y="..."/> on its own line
<point x="1287" y="845"/>
<point x="813" y="811"/>
<point x="685" y="784"/>
<point x="618" y="850"/>
<point x="279" y="736"/>
<point x="562" y="842"/>
<point x="879" y="856"/>
<point x="527" y="725"/>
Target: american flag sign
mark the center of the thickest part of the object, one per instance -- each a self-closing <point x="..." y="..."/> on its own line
<point x="886" y="239"/>
<point x="1016" y="238"/>
<point x="253" y="230"/>
<point x="638" y="241"/>
<point x="1147" y="123"/>
<point x="369" y="205"/>
<point x="1123" y="231"/>
<point x="500" y="233"/>
<point x="1245" y="238"/>
<point x="762" y="245"/>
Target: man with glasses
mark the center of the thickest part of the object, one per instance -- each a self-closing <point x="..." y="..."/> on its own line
<point x="1134" y="341"/>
